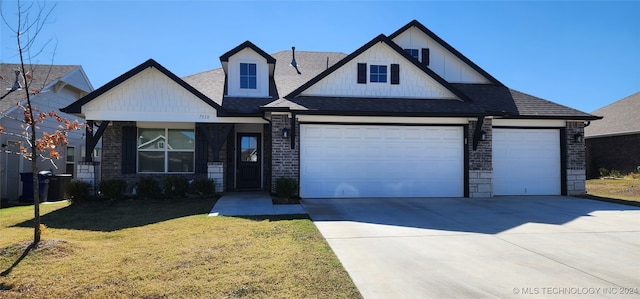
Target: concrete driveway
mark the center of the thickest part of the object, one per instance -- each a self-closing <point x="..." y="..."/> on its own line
<point x="517" y="247"/>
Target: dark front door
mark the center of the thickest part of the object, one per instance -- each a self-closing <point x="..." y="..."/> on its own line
<point x="248" y="174"/>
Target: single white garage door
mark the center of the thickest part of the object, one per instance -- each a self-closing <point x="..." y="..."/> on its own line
<point x="381" y="161"/>
<point x="526" y="161"/>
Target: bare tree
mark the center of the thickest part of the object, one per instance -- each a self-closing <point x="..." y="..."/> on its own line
<point x="31" y="19"/>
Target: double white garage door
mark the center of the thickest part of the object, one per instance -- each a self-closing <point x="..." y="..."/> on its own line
<point x="420" y="161"/>
<point x="381" y="161"/>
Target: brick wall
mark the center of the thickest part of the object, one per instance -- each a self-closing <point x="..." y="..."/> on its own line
<point x="480" y="162"/>
<point x="621" y="153"/>
<point x="112" y="151"/>
<point x="284" y="160"/>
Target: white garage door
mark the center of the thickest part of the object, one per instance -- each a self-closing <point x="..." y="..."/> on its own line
<point x="526" y="161"/>
<point x="380" y="161"/>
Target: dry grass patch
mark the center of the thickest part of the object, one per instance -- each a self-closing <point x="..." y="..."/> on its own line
<point x="623" y="189"/>
<point x="166" y="249"/>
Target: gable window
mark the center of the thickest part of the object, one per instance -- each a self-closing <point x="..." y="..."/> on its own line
<point x="413" y="52"/>
<point x="166" y="150"/>
<point x="248" y="77"/>
<point x="378" y="73"/>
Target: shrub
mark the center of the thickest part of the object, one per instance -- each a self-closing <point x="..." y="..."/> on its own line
<point x="203" y="186"/>
<point x="113" y="188"/>
<point x="286" y="187"/>
<point x="603" y="172"/>
<point x="615" y="173"/>
<point x="147" y="188"/>
<point x="175" y="186"/>
<point x="78" y="191"/>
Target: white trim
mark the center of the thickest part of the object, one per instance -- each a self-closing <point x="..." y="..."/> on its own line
<point x="383" y="119"/>
<point x="550" y="123"/>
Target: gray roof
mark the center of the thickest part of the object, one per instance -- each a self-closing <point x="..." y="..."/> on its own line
<point x="42" y="75"/>
<point x="620" y="118"/>
<point x="486" y="99"/>
<point x="310" y="64"/>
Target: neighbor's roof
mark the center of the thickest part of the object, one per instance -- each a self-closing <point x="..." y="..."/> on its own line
<point x="42" y="75"/>
<point x="620" y="118"/>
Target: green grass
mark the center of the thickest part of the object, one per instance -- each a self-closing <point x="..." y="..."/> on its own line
<point x="165" y="249"/>
<point x="622" y="189"/>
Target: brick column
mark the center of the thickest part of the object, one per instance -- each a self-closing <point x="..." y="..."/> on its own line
<point x="576" y="159"/>
<point x="215" y="171"/>
<point x="480" y="162"/>
<point x="284" y="160"/>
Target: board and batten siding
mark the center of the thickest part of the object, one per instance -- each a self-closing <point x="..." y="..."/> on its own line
<point x="414" y="83"/>
<point x="247" y="55"/>
<point x="441" y="61"/>
<point x="150" y="96"/>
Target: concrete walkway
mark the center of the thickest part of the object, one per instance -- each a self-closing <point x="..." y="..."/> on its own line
<point x="251" y="204"/>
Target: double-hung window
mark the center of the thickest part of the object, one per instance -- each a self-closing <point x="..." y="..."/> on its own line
<point x="248" y="76"/>
<point x="413" y="52"/>
<point x="378" y="73"/>
<point x="166" y="150"/>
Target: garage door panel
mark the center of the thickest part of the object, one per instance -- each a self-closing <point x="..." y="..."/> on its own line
<point x="526" y="161"/>
<point x="381" y="161"/>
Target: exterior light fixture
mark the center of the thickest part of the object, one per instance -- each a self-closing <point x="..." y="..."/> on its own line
<point x="578" y="137"/>
<point x="285" y="133"/>
<point x="483" y="135"/>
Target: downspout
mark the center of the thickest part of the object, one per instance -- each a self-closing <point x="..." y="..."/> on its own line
<point x="477" y="133"/>
<point x="293" y="130"/>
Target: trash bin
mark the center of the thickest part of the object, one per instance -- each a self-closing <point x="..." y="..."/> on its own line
<point x="58" y="186"/>
<point x="27" y="185"/>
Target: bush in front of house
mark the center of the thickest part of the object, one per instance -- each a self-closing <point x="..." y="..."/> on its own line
<point x="203" y="186"/>
<point x="175" y="186"/>
<point x="286" y="187"/>
<point x="148" y="188"/>
<point x="113" y="188"/>
<point x="78" y="191"/>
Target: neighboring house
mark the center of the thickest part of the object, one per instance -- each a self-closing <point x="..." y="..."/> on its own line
<point x="404" y="115"/>
<point x="613" y="143"/>
<point x="58" y="86"/>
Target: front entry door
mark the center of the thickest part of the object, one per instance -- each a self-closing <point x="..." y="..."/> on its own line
<point x="249" y="174"/>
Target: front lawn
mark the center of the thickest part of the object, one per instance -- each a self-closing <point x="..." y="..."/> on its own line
<point x="622" y="188"/>
<point x="165" y="249"/>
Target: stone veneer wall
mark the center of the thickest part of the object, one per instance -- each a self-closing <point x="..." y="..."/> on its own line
<point x="576" y="159"/>
<point x="480" y="162"/>
<point x="285" y="162"/>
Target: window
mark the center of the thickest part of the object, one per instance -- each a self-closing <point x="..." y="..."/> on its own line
<point x="378" y="73"/>
<point x="71" y="159"/>
<point x="166" y="150"/>
<point x="248" y="77"/>
<point x="413" y="52"/>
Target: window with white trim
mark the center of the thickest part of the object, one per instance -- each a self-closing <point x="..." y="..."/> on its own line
<point x="248" y="76"/>
<point x="378" y="73"/>
<point x="162" y="150"/>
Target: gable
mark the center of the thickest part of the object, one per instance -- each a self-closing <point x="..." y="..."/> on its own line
<point x="149" y="95"/>
<point x="413" y="83"/>
<point x="441" y="60"/>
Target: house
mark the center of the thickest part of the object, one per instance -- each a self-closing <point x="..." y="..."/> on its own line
<point x="404" y="115"/>
<point x="58" y="86"/>
<point x="613" y="143"/>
